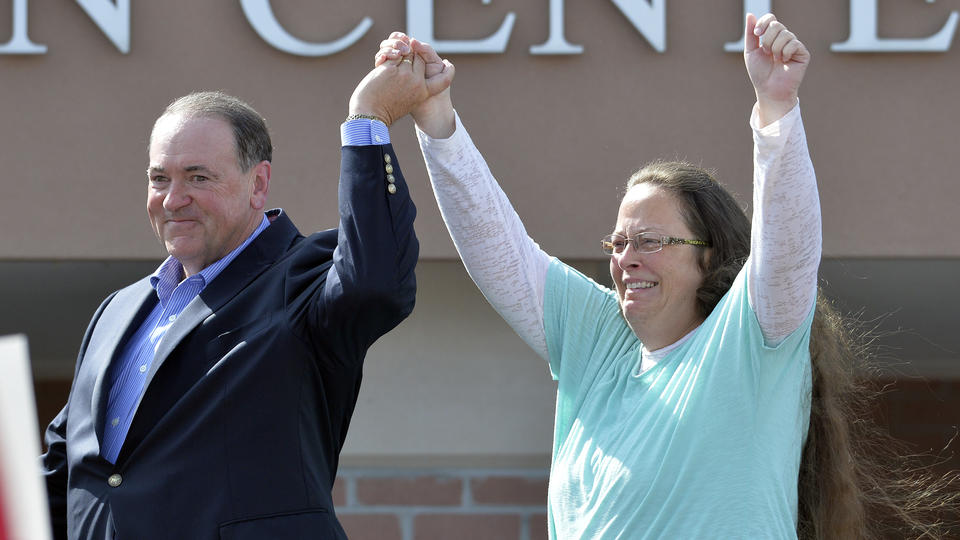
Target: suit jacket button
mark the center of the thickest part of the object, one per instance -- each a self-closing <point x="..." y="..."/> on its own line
<point x="391" y="179"/>
<point x="389" y="168"/>
<point x="386" y="158"/>
<point x="115" y="480"/>
<point x="392" y="188"/>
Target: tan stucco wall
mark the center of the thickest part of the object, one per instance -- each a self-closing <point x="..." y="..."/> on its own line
<point x="453" y="385"/>
<point x="561" y="132"/>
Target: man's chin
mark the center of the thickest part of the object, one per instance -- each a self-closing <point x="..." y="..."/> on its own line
<point x="180" y="248"/>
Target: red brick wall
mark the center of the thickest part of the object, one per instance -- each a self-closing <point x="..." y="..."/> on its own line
<point x="466" y="504"/>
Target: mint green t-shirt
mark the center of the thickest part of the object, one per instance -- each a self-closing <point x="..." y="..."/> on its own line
<point x="705" y="444"/>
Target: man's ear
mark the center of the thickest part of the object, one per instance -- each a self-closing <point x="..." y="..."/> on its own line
<point x="261" y="185"/>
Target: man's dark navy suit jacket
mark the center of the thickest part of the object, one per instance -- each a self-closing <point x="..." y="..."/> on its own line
<point x="248" y="399"/>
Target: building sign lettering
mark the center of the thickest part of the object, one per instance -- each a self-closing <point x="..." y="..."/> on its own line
<point x="648" y="17"/>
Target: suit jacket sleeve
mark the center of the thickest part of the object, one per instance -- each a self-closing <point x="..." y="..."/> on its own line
<point x="371" y="286"/>
<point x="54" y="460"/>
<point x="54" y="464"/>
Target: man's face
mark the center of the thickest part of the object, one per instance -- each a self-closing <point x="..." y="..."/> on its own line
<point x="200" y="203"/>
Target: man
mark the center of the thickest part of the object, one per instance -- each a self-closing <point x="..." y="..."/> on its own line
<point x="211" y="399"/>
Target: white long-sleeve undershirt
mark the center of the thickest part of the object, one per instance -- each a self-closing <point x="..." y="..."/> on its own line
<point x="511" y="269"/>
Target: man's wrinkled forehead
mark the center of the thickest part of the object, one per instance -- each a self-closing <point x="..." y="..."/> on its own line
<point x="175" y="122"/>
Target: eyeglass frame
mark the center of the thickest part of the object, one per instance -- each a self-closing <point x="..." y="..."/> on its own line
<point x="647" y="235"/>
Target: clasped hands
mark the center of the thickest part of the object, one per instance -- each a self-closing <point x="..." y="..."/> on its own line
<point x="408" y="77"/>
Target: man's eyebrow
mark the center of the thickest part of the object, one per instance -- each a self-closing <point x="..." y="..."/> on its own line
<point x="201" y="168"/>
<point x="189" y="168"/>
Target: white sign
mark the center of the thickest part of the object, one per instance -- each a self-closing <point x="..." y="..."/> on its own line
<point x="262" y="19"/>
<point x="647" y="16"/>
<point x="21" y="488"/>
<point x="863" y="33"/>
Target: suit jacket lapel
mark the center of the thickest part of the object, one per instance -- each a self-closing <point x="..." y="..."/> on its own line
<point x="250" y="263"/>
<point x="122" y="316"/>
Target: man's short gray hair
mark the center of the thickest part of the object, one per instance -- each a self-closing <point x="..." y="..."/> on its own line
<point x="250" y="132"/>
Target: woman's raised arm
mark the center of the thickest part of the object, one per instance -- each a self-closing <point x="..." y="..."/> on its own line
<point x="786" y="236"/>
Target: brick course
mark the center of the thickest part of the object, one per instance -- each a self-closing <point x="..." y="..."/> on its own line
<point x="466" y="526"/>
<point x="412" y="490"/>
<point x="439" y="504"/>
<point x="509" y="490"/>
<point x="371" y="526"/>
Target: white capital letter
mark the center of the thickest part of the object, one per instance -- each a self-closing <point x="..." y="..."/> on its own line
<point x="260" y="16"/>
<point x="113" y="20"/>
<point x="863" y="33"/>
<point x="420" y="26"/>
<point x="758" y="8"/>
<point x="556" y="43"/>
<point x="649" y="19"/>
<point x="19" y="41"/>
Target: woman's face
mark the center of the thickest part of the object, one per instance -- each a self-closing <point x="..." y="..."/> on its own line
<point x="657" y="291"/>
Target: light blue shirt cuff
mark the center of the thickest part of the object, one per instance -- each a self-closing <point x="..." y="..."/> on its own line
<point x="363" y="132"/>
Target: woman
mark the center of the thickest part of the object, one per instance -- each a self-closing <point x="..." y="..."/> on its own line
<point x="684" y="396"/>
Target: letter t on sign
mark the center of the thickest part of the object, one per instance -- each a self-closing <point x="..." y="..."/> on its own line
<point x="19" y="41"/>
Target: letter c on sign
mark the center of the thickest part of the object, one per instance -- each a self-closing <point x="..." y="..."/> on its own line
<point x="260" y="16"/>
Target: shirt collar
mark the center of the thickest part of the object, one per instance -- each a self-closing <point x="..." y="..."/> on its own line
<point x="170" y="273"/>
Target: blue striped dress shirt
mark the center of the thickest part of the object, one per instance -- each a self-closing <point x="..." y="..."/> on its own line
<point x="130" y="372"/>
<point x="362" y="132"/>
